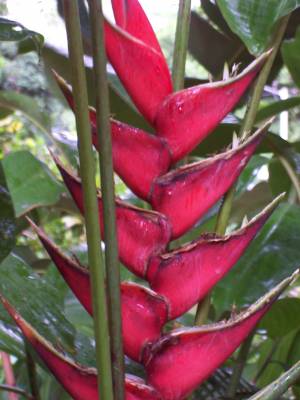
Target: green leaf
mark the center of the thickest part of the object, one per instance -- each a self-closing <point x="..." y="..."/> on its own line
<point x="283" y="318"/>
<point x="277" y="107"/>
<point x="11" y="340"/>
<point x="38" y="301"/>
<point x="221" y="137"/>
<point x="271" y="257"/>
<point x="215" y="16"/>
<point x="203" y="37"/>
<point x="7" y="219"/>
<point x="13" y="31"/>
<point x="280" y="352"/>
<point x="248" y="178"/>
<point x="290" y="51"/>
<point x="279" y="181"/>
<point x="29" y="107"/>
<point x="78" y="316"/>
<point x="30" y="182"/>
<point x="253" y="21"/>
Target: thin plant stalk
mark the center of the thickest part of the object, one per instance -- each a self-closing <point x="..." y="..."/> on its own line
<point x="16" y="390"/>
<point x="280" y="385"/>
<point x="87" y="172"/>
<point x="246" y="128"/>
<point x="32" y="375"/>
<point x="266" y="362"/>
<point x="181" y="43"/>
<point x="239" y="364"/>
<point x="279" y="152"/>
<point x="292" y="175"/>
<point x="108" y="196"/>
<point x="253" y="105"/>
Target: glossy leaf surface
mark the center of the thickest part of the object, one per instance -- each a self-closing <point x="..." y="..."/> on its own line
<point x="141" y="233"/>
<point x="253" y="21"/>
<point x="290" y="51"/>
<point x="26" y="105"/>
<point x="195" y="353"/>
<point x="186" y="275"/>
<point x="14" y="31"/>
<point x="188" y="116"/>
<point x="30" y="182"/>
<point x="185" y="194"/>
<point x="283" y="318"/>
<point x="38" y="300"/>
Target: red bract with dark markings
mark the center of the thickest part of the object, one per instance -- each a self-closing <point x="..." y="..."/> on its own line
<point x="185" y="194"/>
<point x="186" y="275"/>
<point x="141" y="233"/>
<point x="79" y="381"/>
<point x="199" y="109"/>
<point x="138" y="157"/>
<point x="178" y="361"/>
<point x="192" y="352"/>
<point x="141" y="307"/>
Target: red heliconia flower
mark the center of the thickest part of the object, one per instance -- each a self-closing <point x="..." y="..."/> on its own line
<point x="141" y="233"/>
<point x="142" y="69"/>
<point x="181" y="278"/>
<point x="141" y="307"/>
<point x="135" y="53"/>
<point x="79" y="381"/>
<point x="192" y="353"/>
<point x="178" y="361"/>
<point x="185" y="275"/>
<point x="184" y="358"/>
<point x="138" y="157"/>
<point x="185" y="194"/>
<point x="150" y="156"/>
<point x="186" y="117"/>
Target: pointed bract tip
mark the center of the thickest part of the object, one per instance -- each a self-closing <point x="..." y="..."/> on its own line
<point x="266" y="211"/>
<point x="59" y="78"/>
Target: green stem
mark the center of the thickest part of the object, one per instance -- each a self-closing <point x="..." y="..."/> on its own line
<point x="32" y="375"/>
<point x="239" y="366"/>
<point x="280" y="386"/>
<point x="181" y="43"/>
<point x="267" y="361"/>
<point x="280" y="153"/>
<point x="108" y="196"/>
<point x="224" y="212"/>
<point x="292" y="174"/>
<point x="249" y="120"/>
<point x="225" y="209"/>
<point x="202" y="310"/>
<point x="246" y="128"/>
<point x="14" y="389"/>
<point x="87" y="172"/>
